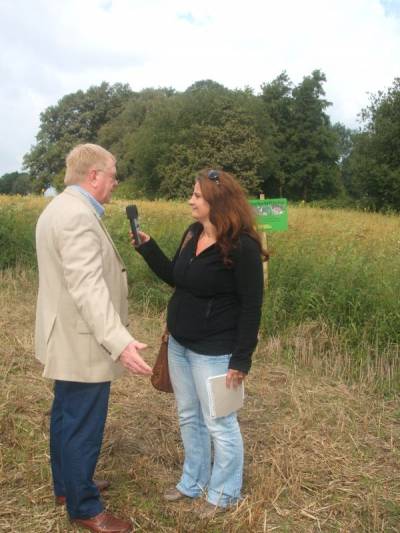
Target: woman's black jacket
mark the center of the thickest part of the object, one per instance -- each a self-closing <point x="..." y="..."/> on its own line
<point x="214" y="309"/>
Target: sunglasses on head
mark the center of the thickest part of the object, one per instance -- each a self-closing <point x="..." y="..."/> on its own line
<point x="213" y="175"/>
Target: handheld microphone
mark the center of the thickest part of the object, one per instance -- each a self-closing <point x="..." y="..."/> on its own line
<point x="132" y="214"/>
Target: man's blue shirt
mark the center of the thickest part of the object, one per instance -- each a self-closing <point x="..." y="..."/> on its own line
<point x="97" y="205"/>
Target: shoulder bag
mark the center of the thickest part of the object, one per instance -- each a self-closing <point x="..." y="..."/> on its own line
<point x="160" y="378"/>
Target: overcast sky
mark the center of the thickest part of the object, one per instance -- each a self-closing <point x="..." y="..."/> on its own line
<point x="49" y="48"/>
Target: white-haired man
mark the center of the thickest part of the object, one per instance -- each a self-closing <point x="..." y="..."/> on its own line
<point x="81" y="330"/>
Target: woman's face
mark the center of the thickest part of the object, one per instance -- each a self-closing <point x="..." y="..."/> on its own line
<point x="200" y="207"/>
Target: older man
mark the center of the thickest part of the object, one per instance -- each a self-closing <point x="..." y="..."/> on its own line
<point x="81" y="329"/>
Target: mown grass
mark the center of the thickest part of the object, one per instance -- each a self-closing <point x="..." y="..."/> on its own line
<point x="334" y="280"/>
<point x="320" y="455"/>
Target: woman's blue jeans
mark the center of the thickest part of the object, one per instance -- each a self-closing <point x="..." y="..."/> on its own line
<point x="223" y="482"/>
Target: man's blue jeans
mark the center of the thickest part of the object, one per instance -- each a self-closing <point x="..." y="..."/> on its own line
<point x="189" y="372"/>
<point x="78" y="416"/>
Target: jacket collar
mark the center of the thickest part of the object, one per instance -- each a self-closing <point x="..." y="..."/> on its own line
<point x="97" y="205"/>
<point x="76" y="194"/>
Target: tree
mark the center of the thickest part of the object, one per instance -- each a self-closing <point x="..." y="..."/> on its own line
<point x="76" y="118"/>
<point x="375" y="158"/>
<point x="6" y="182"/>
<point x="118" y="134"/>
<point x="15" y="183"/>
<point x="314" y="172"/>
<point x="207" y="125"/>
<point x="280" y="141"/>
<point x="303" y="146"/>
<point x="278" y="108"/>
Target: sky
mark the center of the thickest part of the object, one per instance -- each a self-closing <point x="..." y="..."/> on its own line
<point x="50" y="48"/>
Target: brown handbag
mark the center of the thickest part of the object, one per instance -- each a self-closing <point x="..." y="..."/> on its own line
<point x="160" y="377"/>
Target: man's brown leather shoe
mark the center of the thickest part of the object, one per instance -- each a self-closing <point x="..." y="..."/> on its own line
<point x="101" y="484"/>
<point x="104" y="523"/>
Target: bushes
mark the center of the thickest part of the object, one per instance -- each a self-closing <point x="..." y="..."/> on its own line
<point x="17" y="231"/>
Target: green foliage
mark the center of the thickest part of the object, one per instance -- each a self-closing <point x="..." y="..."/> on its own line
<point x="15" y="183"/>
<point x="118" y="134"/>
<point x="280" y="142"/>
<point x="17" y="233"/>
<point x="207" y="125"/>
<point x="314" y="173"/>
<point x="375" y="159"/>
<point x="128" y="190"/>
<point x="278" y="103"/>
<point x="76" y="118"/>
<point x="304" y="156"/>
<point x="337" y="283"/>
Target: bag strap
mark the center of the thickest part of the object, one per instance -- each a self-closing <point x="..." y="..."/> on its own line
<point x="188" y="236"/>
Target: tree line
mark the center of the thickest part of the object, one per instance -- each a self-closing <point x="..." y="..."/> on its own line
<point x="279" y="141"/>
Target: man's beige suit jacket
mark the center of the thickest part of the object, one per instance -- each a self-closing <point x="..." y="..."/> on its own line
<point x="82" y="306"/>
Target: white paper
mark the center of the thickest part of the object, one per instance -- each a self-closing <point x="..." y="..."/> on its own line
<point x="223" y="401"/>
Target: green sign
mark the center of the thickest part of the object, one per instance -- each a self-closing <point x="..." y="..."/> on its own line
<point x="271" y="214"/>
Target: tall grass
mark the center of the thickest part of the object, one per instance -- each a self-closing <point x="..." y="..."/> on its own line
<point x="334" y="271"/>
<point x="340" y="266"/>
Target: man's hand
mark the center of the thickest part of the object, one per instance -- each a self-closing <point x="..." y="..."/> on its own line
<point x="234" y="378"/>
<point x="132" y="361"/>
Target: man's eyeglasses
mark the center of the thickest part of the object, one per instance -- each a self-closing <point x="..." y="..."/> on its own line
<point x="114" y="178"/>
<point x="213" y="175"/>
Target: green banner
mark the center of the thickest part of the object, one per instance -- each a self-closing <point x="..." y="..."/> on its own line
<point x="271" y="214"/>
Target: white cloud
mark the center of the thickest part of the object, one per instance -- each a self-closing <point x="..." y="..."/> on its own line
<point x="49" y="48"/>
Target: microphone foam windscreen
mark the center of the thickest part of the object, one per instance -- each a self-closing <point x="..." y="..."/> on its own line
<point x="131" y="211"/>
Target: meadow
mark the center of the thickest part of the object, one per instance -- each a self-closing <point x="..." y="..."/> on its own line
<point x="333" y="286"/>
<point x="321" y="422"/>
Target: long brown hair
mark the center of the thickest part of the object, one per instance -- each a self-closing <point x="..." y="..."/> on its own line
<point x="230" y="212"/>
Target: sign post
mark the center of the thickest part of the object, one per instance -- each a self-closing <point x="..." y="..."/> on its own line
<point x="271" y="215"/>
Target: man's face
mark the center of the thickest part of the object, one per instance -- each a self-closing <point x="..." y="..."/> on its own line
<point x="105" y="181"/>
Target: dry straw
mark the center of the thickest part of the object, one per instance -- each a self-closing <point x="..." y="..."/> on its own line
<point x="320" y="455"/>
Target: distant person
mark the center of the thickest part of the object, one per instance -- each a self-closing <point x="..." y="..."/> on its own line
<point x="81" y="330"/>
<point x="213" y="319"/>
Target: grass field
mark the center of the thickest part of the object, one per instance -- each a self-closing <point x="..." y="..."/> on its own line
<point x="334" y="281"/>
<point x="320" y="455"/>
<point x="321" y="422"/>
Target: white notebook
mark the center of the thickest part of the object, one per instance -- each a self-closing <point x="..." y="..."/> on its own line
<point x="223" y="401"/>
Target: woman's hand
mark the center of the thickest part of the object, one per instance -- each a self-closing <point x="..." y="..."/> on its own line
<point x="143" y="237"/>
<point x="234" y="378"/>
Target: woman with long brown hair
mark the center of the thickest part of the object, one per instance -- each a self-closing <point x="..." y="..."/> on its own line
<point x="213" y="320"/>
